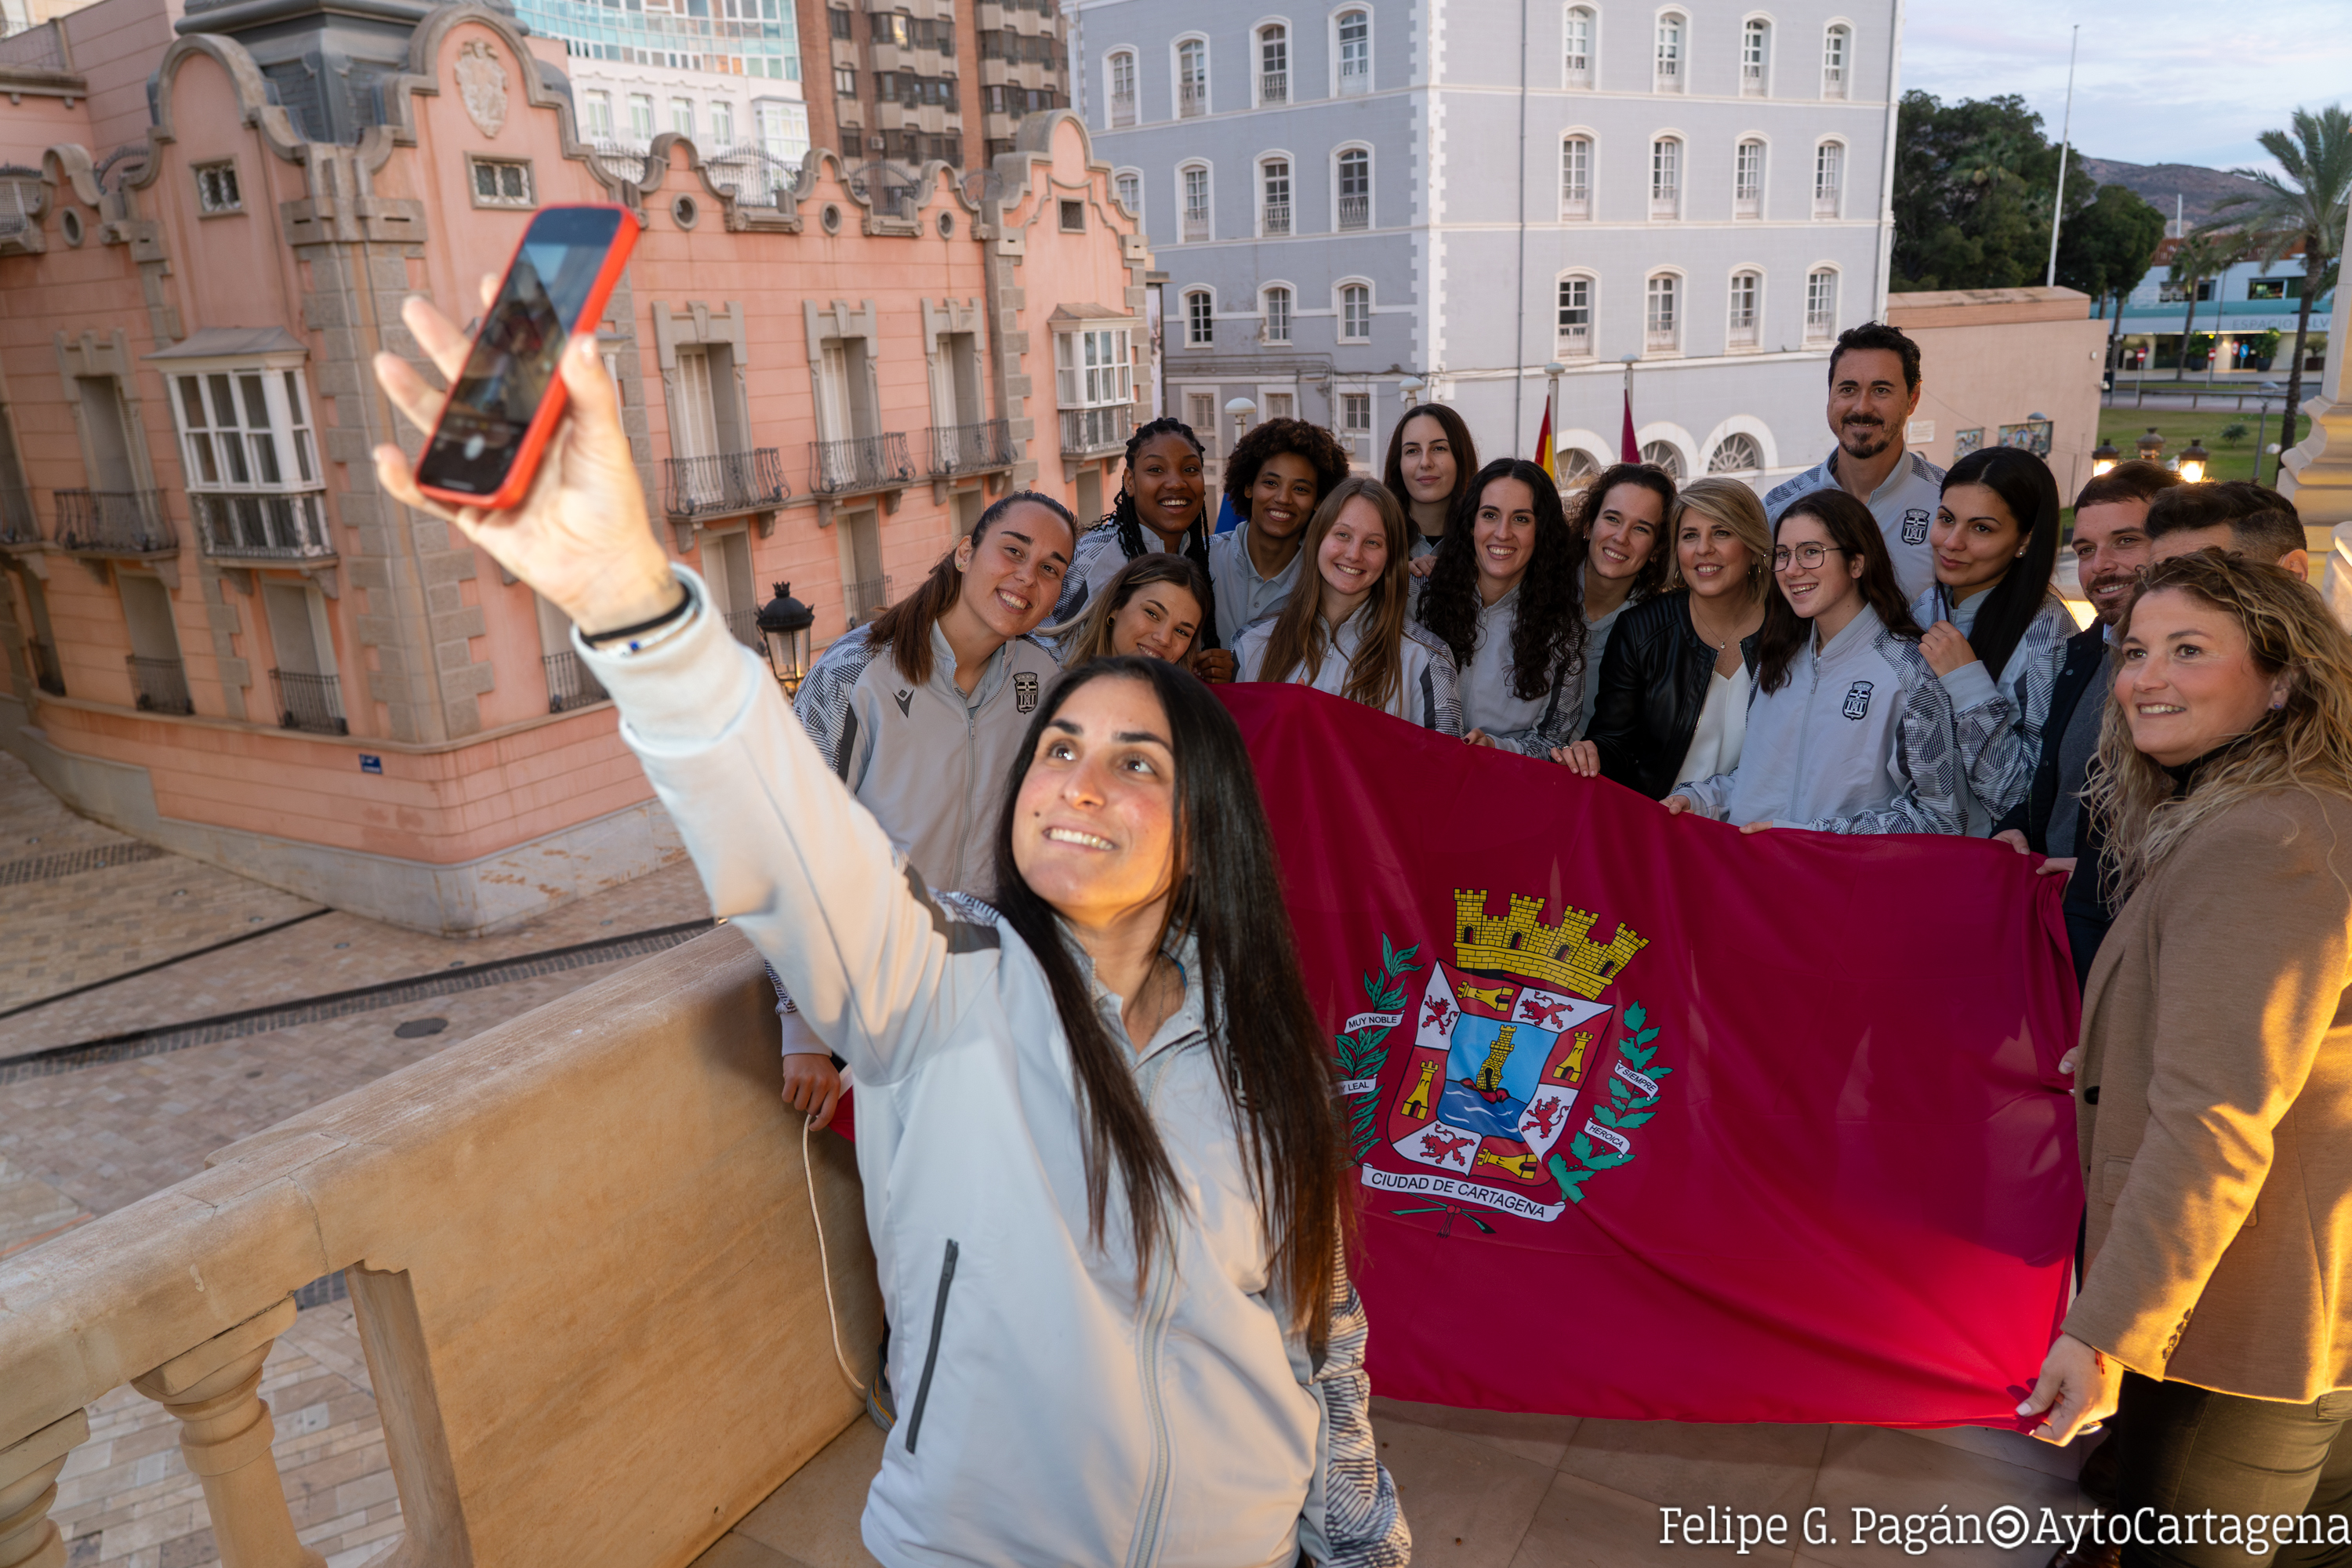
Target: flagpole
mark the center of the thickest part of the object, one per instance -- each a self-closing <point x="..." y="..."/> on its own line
<point x="2066" y="133"/>
<point x="1553" y="372"/>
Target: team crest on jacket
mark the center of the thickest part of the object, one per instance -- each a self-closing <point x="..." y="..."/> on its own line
<point x="1915" y="525"/>
<point x="1024" y="691"/>
<point x="1507" y="1097"/>
<point x="1857" y="701"/>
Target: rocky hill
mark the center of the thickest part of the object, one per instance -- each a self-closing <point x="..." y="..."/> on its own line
<point x="2195" y="189"/>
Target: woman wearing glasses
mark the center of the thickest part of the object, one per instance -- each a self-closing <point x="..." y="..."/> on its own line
<point x="1850" y="730"/>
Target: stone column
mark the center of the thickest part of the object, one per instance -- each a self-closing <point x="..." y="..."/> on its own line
<point x="28" y="1485"/>
<point x="225" y="1435"/>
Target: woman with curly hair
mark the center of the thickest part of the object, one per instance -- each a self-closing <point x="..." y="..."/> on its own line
<point x="1155" y="607"/>
<point x="2213" y="1082"/>
<point x="1503" y="597"/>
<point x="1431" y="460"/>
<point x="1161" y="509"/>
<point x="1345" y="630"/>
<point x="1621" y="519"/>
<point x="1279" y="474"/>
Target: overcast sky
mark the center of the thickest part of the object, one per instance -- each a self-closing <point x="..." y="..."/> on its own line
<point x="2159" y="81"/>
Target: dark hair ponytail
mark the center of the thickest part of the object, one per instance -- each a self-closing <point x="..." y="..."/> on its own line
<point x="907" y="625"/>
<point x="1272" y="1057"/>
<point x="2026" y="487"/>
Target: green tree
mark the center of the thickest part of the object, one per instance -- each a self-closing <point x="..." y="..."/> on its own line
<point x="2108" y="245"/>
<point x="2202" y="255"/>
<point x="2306" y="208"/>
<point x="1973" y="182"/>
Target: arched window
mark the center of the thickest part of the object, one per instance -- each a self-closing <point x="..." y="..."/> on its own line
<point x="1191" y="78"/>
<point x="1355" y="38"/>
<point x="1128" y="184"/>
<point x="1355" y="313"/>
<point x="1662" y="455"/>
<point x="1277" y="315"/>
<point x="1194" y="179"/>
<point x="1665" y="178"/>
<point x="1274" y="197"/>
<point x="1661" y="318"/>
<point x="1744" y="326"/>
<point x="1572" y="334"/>
<point x="1673" y="30"/>
<point x="1820" y="304"/>
<point x="1274" y="63"/>
<point x="1576" y="177"/>
<point x="1737" y="453"/>
<point x="1122" y="87"/>
<point x="1837" y="45"/>
<point x="1575" y="467"/>
<point x="1355" y="186"/>
<point x="1755" y="52"/>
<point x="1576" y="57"/>
<point x="1747" y="179"/>
<point x="1200" y="319"/>
<point x="1829" y="178"/>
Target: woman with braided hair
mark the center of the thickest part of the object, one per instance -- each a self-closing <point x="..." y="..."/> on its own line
<point x="1162" y="507"/>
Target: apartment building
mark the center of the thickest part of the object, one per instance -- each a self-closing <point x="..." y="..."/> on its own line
<point x="1379" y="201"/>
<point x="221" y="636"/>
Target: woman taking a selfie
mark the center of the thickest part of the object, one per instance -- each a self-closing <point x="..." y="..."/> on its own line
<point x="1430" y="459"/>
<point x="1161" y="509"/>
<point x="1132" y="1338"/>
<point x="1850" y="730"/>
<point x="1993" y="624"/>
<point x="1154" y="607"/>
<point x="1681" y="668"/>
<point x="1502" y="597"/>
<point x="2214" y="1080"/>
<point x="1345" y="630"/>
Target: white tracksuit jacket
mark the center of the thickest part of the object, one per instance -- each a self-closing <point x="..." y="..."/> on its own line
<point x="1861" y="740"/>
<point x="1047" y="1416"/>
<point x="1428" y="687"/>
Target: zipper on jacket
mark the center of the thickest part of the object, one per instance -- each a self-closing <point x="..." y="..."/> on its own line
<point x="963" y="810"/>
<point x="1159" y="1306"/>
<point x="931" y="1356"/>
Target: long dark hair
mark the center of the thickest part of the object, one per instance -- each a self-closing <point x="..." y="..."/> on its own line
<point x="1271" y="1053"/>
<point x="1855" y="532"/>
<point x="1457" y="437"/>
<point x="1595" y="495"/>
<point x="907" y="625"/>
<point x="1300" y="637"/>
<point x="1549" y="630"/>
<point x="2026" y="487"/>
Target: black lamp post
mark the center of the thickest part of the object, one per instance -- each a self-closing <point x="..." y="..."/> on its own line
<point x="2104" y="457"/>
<point x="784" y="624"/>
<point x="2193" y="459"/>
<point x="2151" y="447"/>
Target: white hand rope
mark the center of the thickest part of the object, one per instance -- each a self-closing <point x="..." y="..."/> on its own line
<point x="825" y="1264"/>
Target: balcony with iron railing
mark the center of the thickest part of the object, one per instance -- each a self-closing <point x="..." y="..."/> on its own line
<point x="743" y="626"/>
<point x="861" y="463"/>
<point x="259" y="525"/>
<point x="1825" y="203"/>
<point x="1355" y="212"/>
<point x="308" y="701"/>
<point x="972" y="449"/>
<point x="47" y="675"/>
<point x="1355" y="76"/>
<point x="866" y="598"/>
<point x="1275" y="219"/>
<point x="570" y="683"/>
<point x="19" y="523"/>
<point x="1196" y="226"/>
<point x="1665" y="204"/>
<point x="115" y="522"/>
<point x="159" y="685"/>
<point x="1122" y="108"/>
<point x="1274" y="87"/>
<point x="1192" y="100"/>
<point x="1087" y="431"/>
<point x="1574" y="342"/>
<point x="1661" y="339"/>
<point x="724" y="483"/>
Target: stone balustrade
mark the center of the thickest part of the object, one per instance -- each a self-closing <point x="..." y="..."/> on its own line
<point x="582" y="1264"/>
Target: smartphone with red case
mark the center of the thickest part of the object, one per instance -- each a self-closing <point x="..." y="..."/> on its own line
<point x="486" y="445"/>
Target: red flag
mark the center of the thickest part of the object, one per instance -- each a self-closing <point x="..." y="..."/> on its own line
<point x="1543" y="443"/>
<point x="1650" y="1120"/>
<point x="1628" y="450"/>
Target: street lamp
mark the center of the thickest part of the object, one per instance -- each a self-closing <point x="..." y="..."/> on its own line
<point x="1240" y="409"/>
<point x="2102" y="458"/>
<point x="2193" y="459"/>
<point x="784" y="624"/>
<point x="1409" y="389"/>
<point x="2151" y="447"/>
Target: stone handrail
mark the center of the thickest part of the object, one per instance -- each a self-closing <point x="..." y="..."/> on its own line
<point x="581" y="1257"/>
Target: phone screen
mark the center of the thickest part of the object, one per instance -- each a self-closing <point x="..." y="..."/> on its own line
<point x="514" y="360"/>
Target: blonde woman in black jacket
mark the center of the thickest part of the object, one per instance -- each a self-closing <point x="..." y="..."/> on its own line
<point x="1675" y="683"/>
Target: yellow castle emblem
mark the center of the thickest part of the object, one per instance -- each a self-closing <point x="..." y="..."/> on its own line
<point x="1521" y="944"/>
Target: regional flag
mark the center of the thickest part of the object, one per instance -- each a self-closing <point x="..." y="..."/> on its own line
<point x="1648" y="1118"/>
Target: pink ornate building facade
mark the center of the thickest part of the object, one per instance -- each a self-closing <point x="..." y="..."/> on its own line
<point x="222" y="636"/>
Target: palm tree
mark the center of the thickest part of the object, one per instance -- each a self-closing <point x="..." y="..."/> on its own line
<point x="2203" y="254"/>
<point x="2306" y="208"/>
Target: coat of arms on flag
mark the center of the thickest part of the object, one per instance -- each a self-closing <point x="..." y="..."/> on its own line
<point x="1506" y="1053"/>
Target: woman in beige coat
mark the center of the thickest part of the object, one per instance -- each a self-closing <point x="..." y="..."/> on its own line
<point x="2215" y="1079"/>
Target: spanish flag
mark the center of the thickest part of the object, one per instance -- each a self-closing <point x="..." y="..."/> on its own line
<point x="1543" y="444"/>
